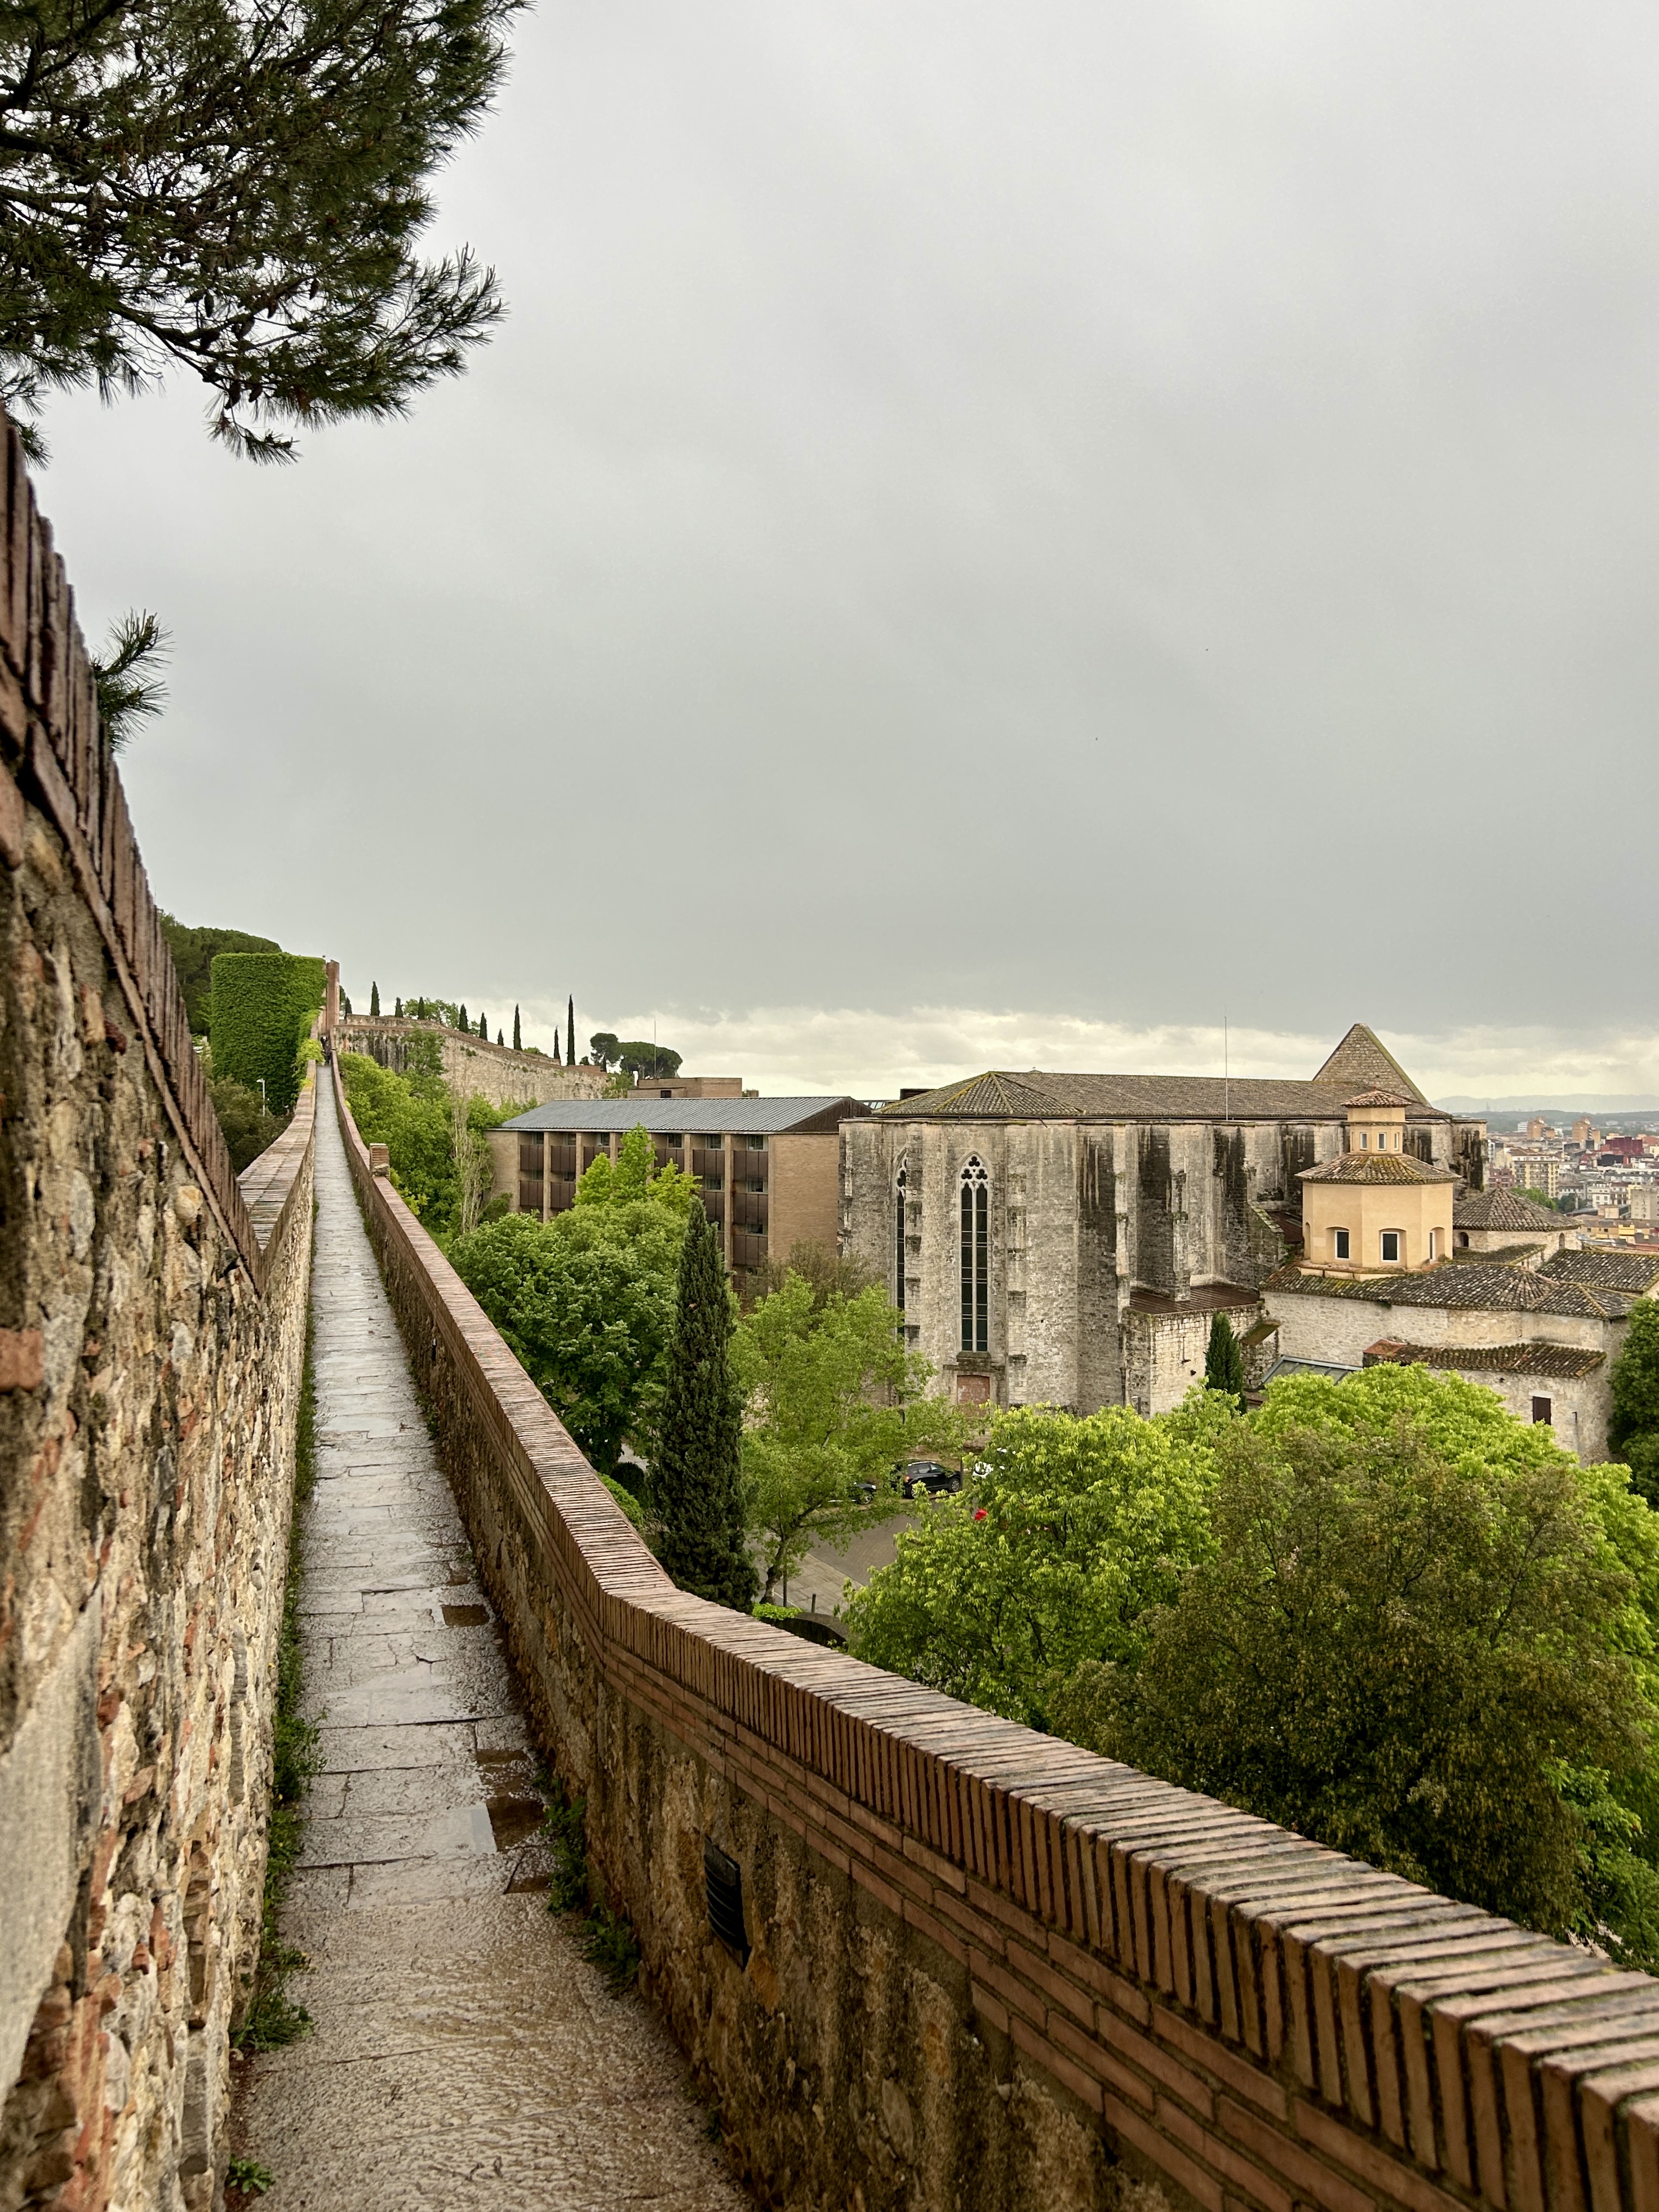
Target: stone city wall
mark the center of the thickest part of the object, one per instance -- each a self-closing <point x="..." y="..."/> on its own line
<point x="151" y="1343"/>
<point x="972" y="1966"/>
<point x="472" y="1065"/>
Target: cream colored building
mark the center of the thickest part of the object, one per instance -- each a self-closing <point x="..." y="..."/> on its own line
<point x="1376" y="1207"/>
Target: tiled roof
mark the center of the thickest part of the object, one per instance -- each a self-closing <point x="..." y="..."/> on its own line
<point x="755" y="1117"/>
<point x="1564" y="1360"/>
<point x="1638" y="1271"/>
<point x="1362" y="1061"/>
<point x="1377" y="1167"/>
<point x="1504" y="1209"/>
<point x="1494" y="1288"/>
<point x="1001" y="1095"/>
<point x="1515" y="1254"/>
<point x="1378" y="1096"/>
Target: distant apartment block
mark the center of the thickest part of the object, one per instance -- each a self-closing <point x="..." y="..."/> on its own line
<point x="769" y="1168"/>
<point x="1536" y="1172"/>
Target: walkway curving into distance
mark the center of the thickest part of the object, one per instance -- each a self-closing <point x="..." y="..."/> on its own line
<point x="463" y="2051"/>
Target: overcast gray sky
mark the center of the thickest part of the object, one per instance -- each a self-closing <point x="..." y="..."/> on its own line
<point x="991" y="534"/>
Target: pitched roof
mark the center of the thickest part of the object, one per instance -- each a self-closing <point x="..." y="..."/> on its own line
<point x="1564" y="1360"/>
<point x="1495" y="1288"/>
<point x="1378" y="1096"/>
<point x="1376" y="1167"/>
<point x="1635" y="1272"/>
<point x="1362" y="1061"/>
<point x="1002" y="1095"/>
<point x="755" y="1117"/>
<point x="1504" y="1209"/>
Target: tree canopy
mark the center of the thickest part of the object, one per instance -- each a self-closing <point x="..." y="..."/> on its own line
<point x="239" y="191"/>
<point x="1076" y="1528"/>
<point x="586" y="1300"/>
<point x="695" y="1477"/>
<point x="1633" y="1427"/>
<point x="836" y="1404"/>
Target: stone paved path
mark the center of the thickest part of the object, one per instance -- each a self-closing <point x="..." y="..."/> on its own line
<point x="463" y="2054"/>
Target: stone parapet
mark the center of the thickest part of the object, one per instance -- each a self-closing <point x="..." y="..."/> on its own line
<point x="152" y="1337"/>
<point x="979" y="1966"/>
<point x="471" y="1065"/>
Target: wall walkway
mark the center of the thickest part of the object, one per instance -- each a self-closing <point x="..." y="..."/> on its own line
<point x="970" y="1966"/>
<point x="463" y="2051"/>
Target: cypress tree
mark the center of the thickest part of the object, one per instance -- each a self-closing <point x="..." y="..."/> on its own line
<point x="400" y="1010"/>
<point x="570" y="1034"/>
<point x="499" y="1039"/>
<point x="462" y="1023"/>
<point x="556" y="1047"/>
<point x="517" y="1040"/>
<point x="483" y="1027"/>
<point x="373" y="998"/>
<point x="695" y="1477"/>
<point x="1223" y="1362"/>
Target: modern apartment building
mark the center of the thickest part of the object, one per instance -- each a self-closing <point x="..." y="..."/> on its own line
<point x="769" y="1168"/>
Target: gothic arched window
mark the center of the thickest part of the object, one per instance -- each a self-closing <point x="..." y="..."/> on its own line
<point x="975" y="1258"/>
<point x="898" y="1233"/>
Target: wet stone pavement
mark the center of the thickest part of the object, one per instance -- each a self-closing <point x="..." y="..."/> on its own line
<point x="462" y="2053"/>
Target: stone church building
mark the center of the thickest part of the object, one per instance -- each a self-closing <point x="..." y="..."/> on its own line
<point x="1065" y="1240"/>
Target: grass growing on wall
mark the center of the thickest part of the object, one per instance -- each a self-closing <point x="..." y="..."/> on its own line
<point x="273" y="2018"/>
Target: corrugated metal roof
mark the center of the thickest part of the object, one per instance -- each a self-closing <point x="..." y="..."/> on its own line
<point x="743" y="1117"/>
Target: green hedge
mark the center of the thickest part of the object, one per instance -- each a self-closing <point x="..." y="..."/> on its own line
<point x="263" y="1005"/>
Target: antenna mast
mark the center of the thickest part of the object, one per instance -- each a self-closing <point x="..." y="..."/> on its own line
<point x="1226" y="1073"/>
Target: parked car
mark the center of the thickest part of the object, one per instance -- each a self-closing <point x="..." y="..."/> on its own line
<point x="928" y="1478"/>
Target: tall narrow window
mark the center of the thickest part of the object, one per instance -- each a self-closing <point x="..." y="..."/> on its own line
<point x="898" y="1238"/>
<point x="975" y="1259"/>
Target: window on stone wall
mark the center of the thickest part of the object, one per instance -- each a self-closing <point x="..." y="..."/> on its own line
<point x="1391" y="1243"/>
<point x="902" y="1177"/>
<point x="1543" y="1410"/>
<point x="975" y="1258"/>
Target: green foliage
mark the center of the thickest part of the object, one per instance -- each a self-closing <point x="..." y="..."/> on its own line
<point x="124" y="676"/>
<point x="517" y="1034"/>
<point x="461" y="1019"/>
<point x="605" y="1938"/>
<point x="587" y="1299"/>
<point x="1634" y="1425"/>
<point x="570" y="1032"/>
<point x="832" y="1274"/>
<point x="603" y="1047"/>
<point x="247" y="1126"/>
<point x="695" y="1477"/>
<point x="835" y="1402"/>
<point x="645" y="1061"/>
<point x="564" y="1825"/>
<point x="630" y="1504"/>
<point x="1077" y="1527"/>
<point x="249" y="2176"/>
<point x="607" y="1942"/>
<point x="415" y="1116"/>
<point x="262" y="1006"/>
<point x="238" y="192"/>
<point x="1223" y="1362"/>
<point x="374" y="999"/>
<point x="193" y="952"/>
<point x="1392" y="1652"/>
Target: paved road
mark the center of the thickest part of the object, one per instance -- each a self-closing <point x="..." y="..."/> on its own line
<point x="462" y="2053"/>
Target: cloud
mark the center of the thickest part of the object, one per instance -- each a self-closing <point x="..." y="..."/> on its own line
<point x="871" y="1052"/>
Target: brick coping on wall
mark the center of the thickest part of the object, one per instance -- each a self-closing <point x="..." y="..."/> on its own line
<point x="49" y="715"/>
<point x="1248" y="2013"/>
